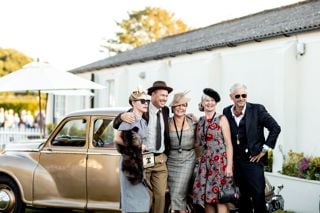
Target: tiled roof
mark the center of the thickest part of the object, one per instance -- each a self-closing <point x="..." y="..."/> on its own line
<point x="283" y="21"/>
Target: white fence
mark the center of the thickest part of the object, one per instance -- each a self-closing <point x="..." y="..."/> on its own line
<point x="12" y="135"/>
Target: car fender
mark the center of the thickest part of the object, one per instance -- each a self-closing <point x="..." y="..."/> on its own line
<point x="20" y="167"/>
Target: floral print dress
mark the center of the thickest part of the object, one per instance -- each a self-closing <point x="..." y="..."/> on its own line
<point x="210" y="170"/>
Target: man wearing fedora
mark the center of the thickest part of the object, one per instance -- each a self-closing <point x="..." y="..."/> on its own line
<point x="157" y="142"/>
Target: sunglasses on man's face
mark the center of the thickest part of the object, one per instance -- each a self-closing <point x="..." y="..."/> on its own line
<point x="242" y="96"/>
<point x="143" y="101"/>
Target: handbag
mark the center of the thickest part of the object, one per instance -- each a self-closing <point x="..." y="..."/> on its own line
<point x="148" y="159"/>
<point x="229" y="193"/>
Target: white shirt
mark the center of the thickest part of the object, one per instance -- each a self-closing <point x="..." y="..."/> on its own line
<point x="152" y="124"/>
<point x="238" y="119"/>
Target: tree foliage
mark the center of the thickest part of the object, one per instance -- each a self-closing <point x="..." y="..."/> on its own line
<point x="143" y="27"/>
<point x="11" y="60"/>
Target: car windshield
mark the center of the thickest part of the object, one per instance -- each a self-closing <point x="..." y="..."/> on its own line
<point x="73" y="133"/>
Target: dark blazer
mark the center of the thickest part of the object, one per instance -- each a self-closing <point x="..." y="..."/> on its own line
<point x="165" y="114"/>
<point x="257" y="118"/>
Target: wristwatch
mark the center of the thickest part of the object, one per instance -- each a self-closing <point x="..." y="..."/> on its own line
<point x="264" y="150"/>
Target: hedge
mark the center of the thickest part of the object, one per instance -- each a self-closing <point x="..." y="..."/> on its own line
<point x="21" y="103"/>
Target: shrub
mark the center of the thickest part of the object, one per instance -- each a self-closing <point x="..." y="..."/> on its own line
<point x="297" y="165"/>
<point x="20" y="102"/>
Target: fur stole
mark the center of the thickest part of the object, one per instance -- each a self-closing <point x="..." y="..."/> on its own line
<point x="132" y="166"/>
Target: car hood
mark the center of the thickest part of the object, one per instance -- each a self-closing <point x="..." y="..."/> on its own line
<point x="30" y="145"/>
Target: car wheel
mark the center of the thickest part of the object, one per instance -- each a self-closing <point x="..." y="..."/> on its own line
<point x="10" y="197"/>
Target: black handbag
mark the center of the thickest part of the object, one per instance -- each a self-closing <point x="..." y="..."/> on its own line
<point x="229" y="193"/>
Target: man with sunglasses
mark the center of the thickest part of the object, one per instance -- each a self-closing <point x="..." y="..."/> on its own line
<point x="157" y="141"/>
<point x="247" y="122"/>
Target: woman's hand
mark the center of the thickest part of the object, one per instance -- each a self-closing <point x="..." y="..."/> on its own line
<point x="118" y="137"/>
<point x="143" y="147"/>
<point x="229" y="172"/>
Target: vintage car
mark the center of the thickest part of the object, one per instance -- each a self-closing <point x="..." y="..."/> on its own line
<point x="75" y="168"/>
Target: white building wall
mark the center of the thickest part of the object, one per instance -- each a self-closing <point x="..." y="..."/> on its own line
<point x="308" y="98"/>
<point x="118" y="75"/>
<point x="286" y="83"/>
<point x="193" y="73"/>
<point x="144" y="73"/>
<point x="78" y="102"/>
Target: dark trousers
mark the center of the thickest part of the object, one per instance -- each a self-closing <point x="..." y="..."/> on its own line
<point x="250" y="179"/>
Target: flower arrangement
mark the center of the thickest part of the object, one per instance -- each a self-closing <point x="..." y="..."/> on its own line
<point x="297" y="165"/>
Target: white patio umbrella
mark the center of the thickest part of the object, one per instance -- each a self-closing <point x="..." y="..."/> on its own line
<point x="39" y="76"/>
<point x="80" y="92"/>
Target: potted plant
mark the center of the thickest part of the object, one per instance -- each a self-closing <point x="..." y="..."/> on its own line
<point x="297" y="165"/>
<point x="300" y="176"/>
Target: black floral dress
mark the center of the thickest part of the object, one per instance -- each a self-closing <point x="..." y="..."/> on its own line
<point x="210" y="171"/>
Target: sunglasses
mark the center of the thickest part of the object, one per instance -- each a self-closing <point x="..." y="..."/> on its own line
<point x="242" y="96"/>
<point x="143" y="101"/>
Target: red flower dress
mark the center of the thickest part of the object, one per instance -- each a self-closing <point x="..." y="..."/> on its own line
<point x="210" y="170"/>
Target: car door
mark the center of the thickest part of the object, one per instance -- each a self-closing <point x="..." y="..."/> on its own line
<point x="60" y="177"/>
<point x="103" y="164"/>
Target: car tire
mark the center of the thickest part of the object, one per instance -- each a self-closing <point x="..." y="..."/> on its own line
<point x="11" y="196"/>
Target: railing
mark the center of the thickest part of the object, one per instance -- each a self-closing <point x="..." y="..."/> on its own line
<point x="12" y="135"/>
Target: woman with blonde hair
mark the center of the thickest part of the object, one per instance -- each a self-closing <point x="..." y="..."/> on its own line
<point x="215" y="165"/>
<point x="130" y="139"/>
<point x="181" y="156"/>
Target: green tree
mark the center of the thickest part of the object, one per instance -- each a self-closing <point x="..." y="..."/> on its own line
<point x="142" y="27"/>
<point x="11" y="60"/>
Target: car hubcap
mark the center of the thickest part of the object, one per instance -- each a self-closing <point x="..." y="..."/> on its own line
<point x="6" y="200"/>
